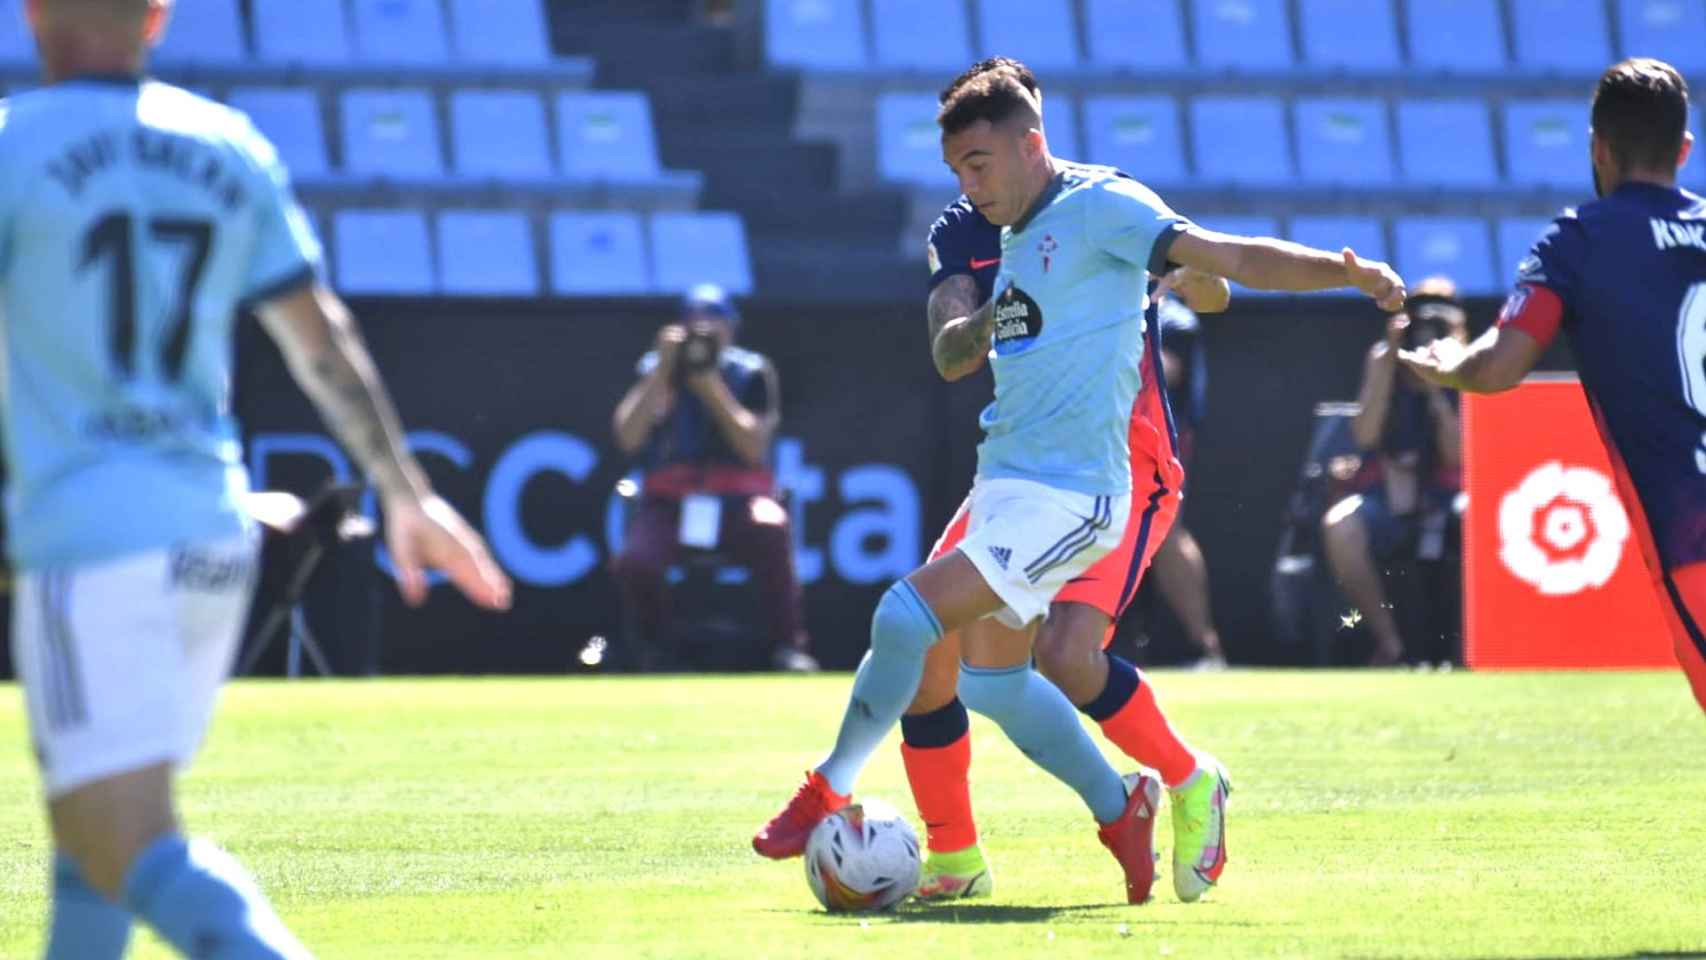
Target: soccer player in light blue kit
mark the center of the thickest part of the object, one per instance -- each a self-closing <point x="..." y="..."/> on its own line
<point x="1064" y="335"/>
<point x="136" y="220"/>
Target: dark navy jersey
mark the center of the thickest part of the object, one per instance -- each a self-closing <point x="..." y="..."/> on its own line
<point x="689" y="435"/>
<point x="1625" y="278"/>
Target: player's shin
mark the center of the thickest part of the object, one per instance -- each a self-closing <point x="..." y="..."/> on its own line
<point x="1131" y="719"/>
<point x="85" y="924"/>
<point x="936" y="749"/>
<point x="202" y="902"/>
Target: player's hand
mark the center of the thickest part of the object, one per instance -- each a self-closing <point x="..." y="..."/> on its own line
<point x="670" y="338"/>
<point x="1376" y="279"/>
<point x="428" y="534"/>
<point x="1436" y="363"/>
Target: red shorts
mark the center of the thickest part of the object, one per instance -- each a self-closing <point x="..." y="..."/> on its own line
<point x="1156" y="477"/>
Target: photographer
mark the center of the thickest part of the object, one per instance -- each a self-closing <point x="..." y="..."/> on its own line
<point x="1408" y="429"/>
<point x="700" y="421"/>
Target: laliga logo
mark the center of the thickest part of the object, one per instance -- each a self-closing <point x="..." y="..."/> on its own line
<point x="1562" y="529"/>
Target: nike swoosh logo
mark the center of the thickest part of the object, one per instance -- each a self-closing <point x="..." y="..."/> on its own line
<point x="977" y="264"/>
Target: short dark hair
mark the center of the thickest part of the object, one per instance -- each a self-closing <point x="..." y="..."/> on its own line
<point x="1640" y="110"/>
<point x="1027" y="79"/>
<point x="994" y="95"/>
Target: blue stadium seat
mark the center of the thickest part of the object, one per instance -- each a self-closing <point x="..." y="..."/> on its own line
<point x="1365" y="235"/>
<point x="383" y="252"/>
<point x="1546" y="143"/>
<point x="700" y="246"/>
<point x="1140" y="135"/>
<point x="1446" y="143"/>
<point x="1065" y="139"/>
<point x="1244" y="226"/>
<point x="1243" y="35"/>
<point x="1241" y="140"/>
<point x="1136" y="35"/>
<point x="499" y="134"/>
<point x="601" y="253"/>
<point x="1516" y="236"/>
<point x="1457" y="36"/>
<point x="1354" y="35"/>
<point x="401" y="31"/>
<point x="391" y="133"/>
<point x="213" y="35"/>
<point x="486" y="253"/>
<point x="1042" y="33"/>
<point x="500" y="31"/>
<point x="924" y="35"/>
<point x="909" y="146"/>
<point x="17" y="47"/>
<point x="1343" y="140"/>
<point x="290" y="118"/>
<point x="1458" y="247"/>
<point x="1561" y="36"/>
<point x="311" y="32"/>
<point x="1670" y="30"/>
<point x="606" y="135"/>
<point x="825" y="34"/>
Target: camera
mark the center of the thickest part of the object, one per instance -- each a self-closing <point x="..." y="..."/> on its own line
<point x="699" y="352"/>
<point x="1432" y="317"/>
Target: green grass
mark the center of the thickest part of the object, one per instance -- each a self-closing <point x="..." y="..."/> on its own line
<point x="1376" y="815"/>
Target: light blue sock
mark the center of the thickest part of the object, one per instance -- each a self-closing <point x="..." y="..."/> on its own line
<point x="86" y="925"/>
<point x="902" y="631"/>
<point x="1043" y="724"/>
<point x="203" y="903"/>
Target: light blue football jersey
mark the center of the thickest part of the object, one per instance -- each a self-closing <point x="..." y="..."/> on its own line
<point x="1068" y="344"/>
<point x="136" y="219"/>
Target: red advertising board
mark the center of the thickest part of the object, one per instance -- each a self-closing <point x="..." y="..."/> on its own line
<point x="1553" y="573"/>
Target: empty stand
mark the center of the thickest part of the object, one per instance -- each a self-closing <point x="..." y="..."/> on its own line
<point x="909" y="148"/>
<point x="700" y="247"/>
<point x="383" y="252"/>
<point x="920" y="35"/>
<point x="1135" y="35"/>
<point x="598" y="253"/>
<point x="1446" y="143"/>
<point x="499" y="134"/>
<point x="486" y="253"/>
<point x="1561" y="36"/>
<point x="308" y="32"/>
<point x="1457" y="36"/>
<point x="499" y="32"/>
<point x="290" y="118"/>
<point x="822" y="34"/>
<point x="214" y="35"/>
<point x="1670" y="30"/>
<point x="17" y="47"/>
<point x="401" y="32"/>
<point x="1352" y="35"/>
<point x="1042" y="33"/>
<point x="391" y="134"/>
<point x="1343" y="140"/>
<point x="1457" y="247"/>
<point x="1140" y="135"/>
<point x="606" y="135"/>
<point x="1065" y="136"/>
<point x="1241" y="140"/>
<point x="1243" y="35"/>
<point x="1546" y="143"/>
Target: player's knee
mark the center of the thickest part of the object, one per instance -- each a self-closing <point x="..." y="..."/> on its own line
<point x="1068" y="644"/>
<point x="903" y="623"/>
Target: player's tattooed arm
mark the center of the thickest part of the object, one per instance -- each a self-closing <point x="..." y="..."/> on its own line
<point x="327" y="357"/>
<point x="960" y="330"/>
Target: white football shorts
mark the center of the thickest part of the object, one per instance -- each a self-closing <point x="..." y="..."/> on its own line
<point x="1029" y="540"/>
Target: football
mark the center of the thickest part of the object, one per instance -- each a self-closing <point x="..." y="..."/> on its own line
<point x="863" y="858"/>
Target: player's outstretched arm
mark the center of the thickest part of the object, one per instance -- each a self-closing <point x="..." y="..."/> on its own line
<point x="326" y="355"/>
<point x="1494" y="363"/>
<point x="960" y="330"/>
<point x="1265" y="263"/>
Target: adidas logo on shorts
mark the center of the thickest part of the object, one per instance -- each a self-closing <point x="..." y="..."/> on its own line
<point x="1001" y="555"/>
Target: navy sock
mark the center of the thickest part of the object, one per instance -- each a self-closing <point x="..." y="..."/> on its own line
<point x="86" y="925"/>
<point x="1121" y="687"/>
<point x="938" y="728"/>
<point x="203" y="903"/>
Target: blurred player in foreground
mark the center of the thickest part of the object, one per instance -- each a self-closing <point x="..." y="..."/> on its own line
<point x="964" y="254"/>
<point x="1064" y="336"/>
<point x="1625" y="278"/>
<point x="136" y="219"/>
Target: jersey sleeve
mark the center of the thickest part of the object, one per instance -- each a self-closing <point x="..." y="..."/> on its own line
<point x="949" y="250"/>
<point x="1545" y="281"/>
<point x="286" y="254"/>
<point x="1127" y="220"/>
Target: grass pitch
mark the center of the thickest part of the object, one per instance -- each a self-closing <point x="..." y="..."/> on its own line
<point x="1375" y="815"/>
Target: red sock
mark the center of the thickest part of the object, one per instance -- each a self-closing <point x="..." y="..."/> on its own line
<point x="1142" y="731"/>
<point x="941" y="785"/>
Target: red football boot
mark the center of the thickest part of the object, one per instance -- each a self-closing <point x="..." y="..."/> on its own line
<point x="785" y="835"/>
<point x="1131" y="838"/>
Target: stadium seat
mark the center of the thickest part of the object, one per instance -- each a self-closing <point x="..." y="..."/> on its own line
<point x="1242" y="35"/>
<point x="391" y="133"/>
<point x="214" y="35"/>
<point x="311" y="32"/>
<point x="1140" y="135"/>
<point x="290" y="118"/>
<point x="1241" y="140"/>
<point x="1457" y="36"/>
<point x="1065" y="137"/>
<point x="1446" y="143"/>
<point x="1583" y="47"/>
<point x="401" y="31"/>
<point x="17" y="47"/>
<point x="1670" y="30"/>
<point x="1042" y="33"/>
<point x="600" y="253"/>
<point x="499" y="134"/>
<point x="1457" y="247"/>
<point x="700" y="246"/>
<point x="822" y="34"/>
<point x="1353" y="35"/>
<point x="383" y="252"/>
<point x="1136" y="35"/>
<point x="1546" y="143"/>
<point x="923" y="35"/>
<point x="1517" y="236"/>
<point x="909" y="149"/>
<point x="500" y="31"/>
<point x="1365" y="235"/>
<point x="486" y="253"/>
<point x="1343" y="140"/>
<point x="606" y="135"/>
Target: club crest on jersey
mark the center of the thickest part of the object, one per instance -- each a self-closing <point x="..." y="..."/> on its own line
<point x="1018" y="322"/>
<point x="1047" y="248"/>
